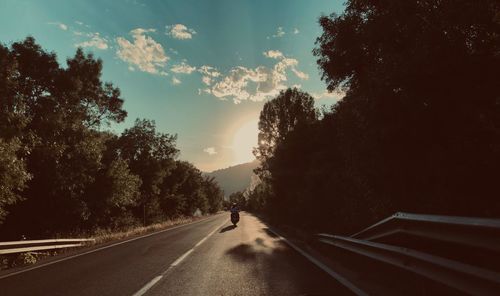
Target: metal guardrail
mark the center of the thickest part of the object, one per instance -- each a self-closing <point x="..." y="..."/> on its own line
<point x="24" y="246"/>
<point x="479" y="233"/>
<point x="476" y="232"/>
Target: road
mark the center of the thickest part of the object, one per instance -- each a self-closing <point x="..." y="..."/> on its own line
<point x="209" y="257"/>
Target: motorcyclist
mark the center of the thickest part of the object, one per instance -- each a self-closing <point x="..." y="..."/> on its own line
<point x="235" y="216"/>
<point x="234" y="208"/>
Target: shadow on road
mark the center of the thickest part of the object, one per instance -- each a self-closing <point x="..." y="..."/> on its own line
<point x="262" y="255"/>
<point x="283" y="271"/>
<point x="227" y="228"/>
<point x="260" y="242"/>
<point x="243" y="252"/>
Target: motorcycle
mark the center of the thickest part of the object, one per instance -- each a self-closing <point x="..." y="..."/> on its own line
<point x="235" y="218"/>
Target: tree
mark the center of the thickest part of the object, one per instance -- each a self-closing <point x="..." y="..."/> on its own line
<point x="13" y="176"/>
<point x="13" y="173"/>
<point x="258" y="196"/>
<point x="115" y="192"/>
<point x="411" y="134"/>
<point x="279" y="116"/>
<point x="61" y="174"/>
<point x="408" y="136"/>
<point x="52" y="108"/>
<point x="184" y="191"/>
<point x="151" y="156"/>
<point x="213" y="193"/>
<point x="12" y="108"/>
<point x="238" y="198"/>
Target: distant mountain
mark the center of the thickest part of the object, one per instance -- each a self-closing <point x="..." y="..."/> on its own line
<point x="235" y="178"/>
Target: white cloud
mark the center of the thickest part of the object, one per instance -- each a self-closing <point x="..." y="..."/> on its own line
<point x="279" y="33"/>
<point x="274" y="54"/>
<point x="208" y="74"/>
<point x="256" y="84"/>
<point x="235" y="84"/>
<point x="180" y="31"/>
<point x="204" y="90"/>
<point x="300" y="74"/>
<point x="209" y="71"/>
<point x="60" y="25"/>
<point x="210" y="150"/>
<point x="337" y="95"/>
<point x="296" y="31"/>
<point x="176" y="81"/>
<point x="206" y="80"/>
<point x="95" y="41"/>
<point x="82" y="24"/>
<point x="144" y="52"/>
<point x="183" y="68"/>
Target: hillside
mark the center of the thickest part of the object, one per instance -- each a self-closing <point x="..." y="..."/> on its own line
<point x="234" y="178"/>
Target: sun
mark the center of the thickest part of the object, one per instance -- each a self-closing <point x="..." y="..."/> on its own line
<point x="244" y="140"/>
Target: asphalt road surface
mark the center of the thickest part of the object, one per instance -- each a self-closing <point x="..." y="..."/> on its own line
<point x="209" y="257"/>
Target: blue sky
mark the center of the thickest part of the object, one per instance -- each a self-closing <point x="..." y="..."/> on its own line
<point x="201" y="69"/>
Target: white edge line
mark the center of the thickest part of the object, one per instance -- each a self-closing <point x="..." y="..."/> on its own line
<point x="176" y="262"/>
<point x="148" y="286"/>
<point x="100" y="249"/>
<point x="325" y="268"/>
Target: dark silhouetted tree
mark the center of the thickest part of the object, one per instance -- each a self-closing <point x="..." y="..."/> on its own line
<point x="421" y="118"/>
<point x="279" y="116"/>
<point x="237" y="198"/>
<point x="418" y="129"/>
<point x="213" y="193"/>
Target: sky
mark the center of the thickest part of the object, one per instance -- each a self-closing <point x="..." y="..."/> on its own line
<point x="201" y="69"/>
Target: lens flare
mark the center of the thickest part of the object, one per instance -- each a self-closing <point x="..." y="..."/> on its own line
<point x="244" y="140"/>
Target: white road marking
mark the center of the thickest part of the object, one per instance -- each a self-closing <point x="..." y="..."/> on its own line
<point x="148" y="286"/>
<point x="99" y="249"/>
<point x="179" y="260"/>
<point x="325" y="268"/>
<point x="176" y="262"/>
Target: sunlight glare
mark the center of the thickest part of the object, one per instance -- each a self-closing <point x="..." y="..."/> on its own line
<point x="244" y="140"/>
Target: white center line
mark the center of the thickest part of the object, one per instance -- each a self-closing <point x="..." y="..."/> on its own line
<point x="149" y="285"/>
<point x="184" y="256"/>
<point x="176" y="262"/>
<point x="101" y="248"/>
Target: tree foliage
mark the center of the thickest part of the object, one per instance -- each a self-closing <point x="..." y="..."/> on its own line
<point x="13" y="175"/>
<point x="151" y="156"/>
<point x="418" y="129"/>
<point x="60" y="172"/>
<point x="292" y="108"/>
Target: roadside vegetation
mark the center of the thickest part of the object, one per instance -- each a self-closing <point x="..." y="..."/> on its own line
<point x="63" y="171"/>
<point x="418" y="129"/>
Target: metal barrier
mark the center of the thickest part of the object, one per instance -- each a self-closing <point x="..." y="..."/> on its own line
<point x="378" y="244"/>
<point x="476" y="232"/>
<point x="24" y="246"/>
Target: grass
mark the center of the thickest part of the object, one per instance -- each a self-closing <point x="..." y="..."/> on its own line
<point x="106" y="235"/>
